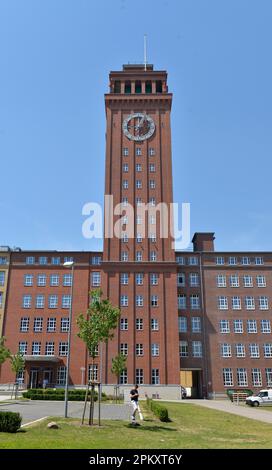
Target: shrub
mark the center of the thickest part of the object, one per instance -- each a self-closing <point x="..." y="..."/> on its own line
<point x="9" y="421"/>
<point x="57" y="394"/>
<point x="231" y="391"/>
<point x="160" y="411"/>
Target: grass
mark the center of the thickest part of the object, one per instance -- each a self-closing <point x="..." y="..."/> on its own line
<point x="192" y="427"/>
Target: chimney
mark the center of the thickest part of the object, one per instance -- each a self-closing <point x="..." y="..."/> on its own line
<point x="203" y="241"/>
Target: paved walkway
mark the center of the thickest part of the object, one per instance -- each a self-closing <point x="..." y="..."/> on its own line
<point x="227" y="406"/>
<point x="32" y="410"/>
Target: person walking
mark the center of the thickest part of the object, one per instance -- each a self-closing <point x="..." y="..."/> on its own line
<point x="134" y="397"/>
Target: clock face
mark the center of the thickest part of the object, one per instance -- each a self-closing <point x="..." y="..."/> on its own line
<point x="138" y="127"/>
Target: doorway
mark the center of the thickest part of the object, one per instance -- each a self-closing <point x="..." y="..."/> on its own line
<point x="47" y="377"/>
<point x="33" y="379"/>
<point x="191" y="381"/>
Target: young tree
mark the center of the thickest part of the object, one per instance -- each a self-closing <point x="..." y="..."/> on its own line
<point x="118" y="365"/>
<point x="96" y="327"/>
<point x="17" y="364"/>
<point x="4" y="351"/>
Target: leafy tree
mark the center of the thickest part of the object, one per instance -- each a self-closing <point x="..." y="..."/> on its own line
<point x="17" y="364"/>
<point x="4" y="351"/>
<point x="97" y="326"/>
<point x="118" y="365"/>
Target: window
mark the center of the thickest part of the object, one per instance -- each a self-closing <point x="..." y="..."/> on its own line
<point x="139" y="349"/>
<point x="225" y="350"/>
<point x="152" y="237"/>
<point x="155" y="349"/>
<point x="67" y="280"/>
<point x="41" y="281"/>
<point x="152" y="201"/>
<point x="261" y="281"/>
<point x="154" y="301"/>
<point x="153" y="256"/>
<point x="151" y="152"/>
<point x="227" y="377"/>
<point x="30" y="260"/>
<point x="240" y="350"/>
<point x="124" y="324"/>
<point x="254" y="350"/>
<point x="124" y="349"/>
<point x="28" y="280"/>
<point x="96" y="279"/>
<point x="180" y="260"/>
<point x="3" y="260"/>
<point x="124" y="279"/>
<point x="38" y="325"/>
<point x="232" y="260"/>
<point x="259" y="260"/>
<point x="265" y="326"/>
<point x="125" y="152"/>
<point x="267" y="349"/>
<point x="256" y="377"/>
<point x="194" y="302"/>
<point x="221" y="280"/>
<point x="124" y="256"/>
<point x="154" y="324"/>
<point x="54" y="280"/>
<point x="220" y="260"/>
<point x="158" y="86"/>
<point x="53" y="301"/>
<point x="248" y="282"/>
<point x="61" y="375"/>
<point x="23" y="347"/>
<point x="27" y="299"/>
<point x="222" y="303"/>
<point x="93" y="372"/>
<point x="154" y="279"/>
<point x="139" y="324"/>
<point x="63" y="348"/>
<point x="139" y="184"/>
<point x="64" y="325"/>
<point x="196" y="324"/>
<point x="127" y="87"/>
<point x="181" y="279"/>
<point x="138" y="151"/>
<point x="155" y="377"/>
<point x="36" y="348"/>
<point x="193" y="260"/>
<point x="268" y="375"/>
<point x="194" y="280"/>
<point x="125" y="238"/>
<point x="139" y="301"/>
<point x="24" y="326"/>
<point x="139" y="238"/>
<point x="43" y="260"/>
<point x="245" y="260"/>
<point x="139" y="256"/>
<point x="236" y="303"/>
<point x="125" y="184"/>
<point x="124" y="301"/>
<point x="139" y="376"/>
<point x="197" y="348"/>
<point x="138" y="167"/>
<point x="49" y="348"/>
<point x="96" y="260"/>
<point x="125" y="167"/>
<point x="138" y="201"/>
<point x="183" y="349"/>
<point x="55" y="260"/>
<point x="139" y="279"/>
<point x="152" y="168"/>
<point x="51" y="324"/>
<point x="182" y="324"/>
<point x="123" y="377"/>
<point x="263" y="303"/>
<point x="241" y="377"/>
<point x="249" y="303"/>
<point x="251" y="326"/>
<point x="2" y="278"/>
<point x="152" y="219"/>
<point x="182" y="301"/>
<point x="224" y="326"/>
<point x="238" y="326"/>
<point x="234" y="280"/>
<point x="152" y="184"/>
<point x="66" y="301"/>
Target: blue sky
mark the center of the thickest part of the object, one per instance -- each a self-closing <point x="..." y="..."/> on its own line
<point x="55" y="56"/>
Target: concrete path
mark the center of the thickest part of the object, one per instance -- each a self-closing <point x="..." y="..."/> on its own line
<point x="32" y="410"/>
<point x="258" y="413"/>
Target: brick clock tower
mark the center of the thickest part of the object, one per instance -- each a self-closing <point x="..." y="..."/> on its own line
<point x="139" y="265"/>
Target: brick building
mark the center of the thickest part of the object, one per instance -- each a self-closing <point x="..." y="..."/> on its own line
<point x="198" y="318"/>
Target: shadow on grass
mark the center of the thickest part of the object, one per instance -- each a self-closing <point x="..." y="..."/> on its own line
<point x="150" y="428"/>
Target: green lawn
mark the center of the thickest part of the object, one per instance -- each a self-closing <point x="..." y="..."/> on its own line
<point x="192" y="427"/>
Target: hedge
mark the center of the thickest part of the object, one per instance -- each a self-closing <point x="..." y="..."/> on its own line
<point x="9" y="421"/>
<point x="58" y="394"/>
<point x="160" y="411"/>
<point x="231" y="391"/>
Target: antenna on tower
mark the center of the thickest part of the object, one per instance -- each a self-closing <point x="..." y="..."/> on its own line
<point x="145" y="55"/>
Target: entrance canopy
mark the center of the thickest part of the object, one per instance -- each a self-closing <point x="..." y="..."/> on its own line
<point x="51" y="359"/>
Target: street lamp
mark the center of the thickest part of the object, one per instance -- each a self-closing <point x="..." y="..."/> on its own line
<point x="68" y="265"/>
